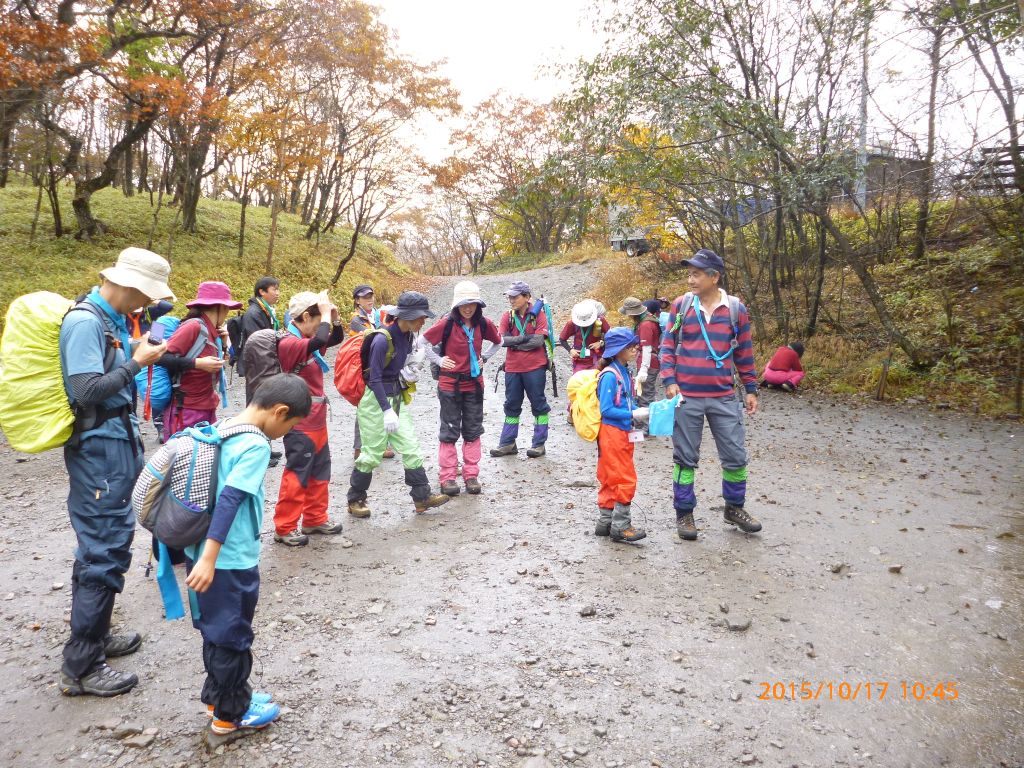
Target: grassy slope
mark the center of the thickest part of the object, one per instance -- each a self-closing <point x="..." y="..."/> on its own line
<point x="69" y="267"/>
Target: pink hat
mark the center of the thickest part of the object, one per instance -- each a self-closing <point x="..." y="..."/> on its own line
<point x="212" y="294"/>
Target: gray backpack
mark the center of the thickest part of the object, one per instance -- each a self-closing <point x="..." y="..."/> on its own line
<point x="260" y="359"/>
<point x="176" y="492"/>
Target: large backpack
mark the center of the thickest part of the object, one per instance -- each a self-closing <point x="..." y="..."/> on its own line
<point x="176" y="491"/>
<point x="202" y="339"/>
<point x="585" y="405"/>
<point x="352" y="363"/>
<point x="260" y="359"/>
<point x="35" y="413"/>
<point x="160" y="395"/>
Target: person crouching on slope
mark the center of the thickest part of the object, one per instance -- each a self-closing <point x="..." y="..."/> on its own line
<point x="615" y="470"/>
<point x="382" y="415"/>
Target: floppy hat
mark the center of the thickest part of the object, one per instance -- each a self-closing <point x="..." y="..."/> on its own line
<point x="653" y="307"/>
<point x="585" y="313"/>
<point x="705" y="259"/>
<point x="518" y="288"/>
<point x="142" y="270"/>
<point x="632" y="306"/>
<point x="361" y="290"/>
<point x="302" y="301"/>
<point x="617" y="339"/>
<point x="212" y="294"/>
<point x="466" y="292"/>
<point x="412" y="305"/>
<point x="602" y="310"/>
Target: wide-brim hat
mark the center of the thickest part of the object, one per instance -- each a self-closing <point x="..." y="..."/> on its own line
<point x="143" y="270"/>
<point x="632" y="306"/>
<point x="412" y="305"/>
<point x="466" y="292"/>
<point x="705" y="258"/>
<point x="213" y="294"/>
<point x="585" y="313"/>
<point x="617" y="339"/>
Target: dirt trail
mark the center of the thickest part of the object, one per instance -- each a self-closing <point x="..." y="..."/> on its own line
<point x="457" y="638"/>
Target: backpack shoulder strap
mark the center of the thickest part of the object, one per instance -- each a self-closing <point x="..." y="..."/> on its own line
<point x="202" y="339"/>
<point x="449" y="324"/>
<point x="734" y="318"/>
<point x="111" y="342"/>
<point x="620" y="384"/>
<point x="681" y="307"/>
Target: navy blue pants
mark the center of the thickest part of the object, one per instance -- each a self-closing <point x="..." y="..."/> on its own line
<point x="102" y="473"/>
<point x="531" y="384"/>
<point x="226" y="611"/>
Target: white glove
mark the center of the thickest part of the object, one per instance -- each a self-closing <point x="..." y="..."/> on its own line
<point x="390" y="421"/>
<point x="641" y="378"/>
<point x="641" y="414"/>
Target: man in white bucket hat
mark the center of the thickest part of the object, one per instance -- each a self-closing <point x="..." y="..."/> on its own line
<point x="104" y="458"/>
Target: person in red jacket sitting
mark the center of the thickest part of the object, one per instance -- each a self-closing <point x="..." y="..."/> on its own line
<point x="784" y="370"/>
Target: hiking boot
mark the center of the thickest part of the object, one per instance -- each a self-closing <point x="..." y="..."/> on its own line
<point x="505" y="450"/>
<point x="327" y="529"/>
<point x="473" y="486"/>
<point x="628" y="535"/>
<point x="358" y="509"/>
<point x="536" y="452"/>
<point x="258" y="697"/>
<point x="450" y="487"/>
<point x="433" y="500"/>
<point x="274" y="462"/>
<point x="276" y="455"/>
<point x="292" y="539"/>
<point x="786" y="386"/>
<point x="121" y="645"/>
<point x="602" y="529"/>
<point x="102" y="681"/>
<point x="568" y="419"/>
<point x="389" y="453"/>
<point x="258" y="716"/>
<point x="686" y="528"/>
<point x="739" y="517"/>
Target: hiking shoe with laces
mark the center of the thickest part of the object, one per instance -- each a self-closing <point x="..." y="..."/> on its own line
<point x="739" y="517"/>
<point x="628" y="535"/>
<point x="450" y="487"/>
<point x="389" y="453"/>
<point x="121" y="645"/>
<point x="536" y="452"/>
<point x="258" y="697"/>
<point x="102" y="681"/>
<point x="473" y="486"/>
<point x="788" y="387"/>
<point x="358" y="509"/>
<point x="686" y="529"/>
<point x="603" y="529"/>
<point x="258" y="716"/>
<point x="505" y="450"/>
<point x="292" y="539"/>
<point x="327" y="529"/>
<point x="433" y="500"/>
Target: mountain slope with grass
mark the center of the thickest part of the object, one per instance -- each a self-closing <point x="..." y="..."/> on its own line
<point x="69" y="267"/>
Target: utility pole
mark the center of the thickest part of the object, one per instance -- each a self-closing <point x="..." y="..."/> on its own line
<point x="861" y="194"/>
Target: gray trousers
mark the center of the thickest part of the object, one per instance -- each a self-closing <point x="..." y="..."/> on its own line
<point x="725" y="417"/>
<point x="649" y="389"/>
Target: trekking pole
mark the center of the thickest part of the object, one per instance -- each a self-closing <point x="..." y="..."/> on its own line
<point x="880" y="392"/>
<point x="147" y="408"/>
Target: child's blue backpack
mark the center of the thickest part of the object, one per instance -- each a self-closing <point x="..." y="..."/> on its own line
<point x="160" y="396"/>
<point x="176" y="492"/>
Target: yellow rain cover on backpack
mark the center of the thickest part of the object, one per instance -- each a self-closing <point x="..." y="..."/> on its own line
<point x="34" y="411"/>
<point x="586" y="409"/>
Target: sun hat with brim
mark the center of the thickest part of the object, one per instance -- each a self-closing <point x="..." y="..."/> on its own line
<point x="361" y="290"/>
<point x="302" y="301"/>
<point x="585" y="313"/>
<point x="412" y="305"/>
<point x="466" y="292"/>
<point x="214" y="294"/>
<point x="518" y="288"/>
<point x="632" y="306"/>
<point x="617" y="339"/>
<point x="143" y="270"/>
<point x="705" y="259"/>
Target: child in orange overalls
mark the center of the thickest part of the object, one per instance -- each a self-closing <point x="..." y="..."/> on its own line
<point x="615" y="471"/>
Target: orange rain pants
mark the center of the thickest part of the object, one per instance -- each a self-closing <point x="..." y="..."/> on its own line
<point x="615" y="470"/>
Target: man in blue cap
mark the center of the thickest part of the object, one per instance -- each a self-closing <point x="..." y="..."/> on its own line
<point x="706" y="340"/>
<point x="524" y="330"/>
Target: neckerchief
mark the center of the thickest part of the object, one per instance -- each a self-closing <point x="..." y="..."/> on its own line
<point x="704" y="332"/>
<point x="316" y="355"/>
<point x="474" y="363"/>
<point x="270" y="313"/>
<point x="117" y="318"/>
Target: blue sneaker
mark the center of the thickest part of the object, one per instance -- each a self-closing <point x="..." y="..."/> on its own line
<point x="258" y="697"/>
<point x="259" y="716"/>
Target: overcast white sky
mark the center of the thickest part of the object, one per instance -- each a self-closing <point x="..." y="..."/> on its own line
<point x="491" y="46"/>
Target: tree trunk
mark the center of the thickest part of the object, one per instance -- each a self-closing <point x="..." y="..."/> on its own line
<point x="812" y="315"/>
<point x="351" y="251"/>
<point x="924" y="198"/>
<point x="128" y="167"/>
<point x="5" y="157"/>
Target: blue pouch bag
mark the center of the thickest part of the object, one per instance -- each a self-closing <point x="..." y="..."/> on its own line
<point x="663" y="416"/>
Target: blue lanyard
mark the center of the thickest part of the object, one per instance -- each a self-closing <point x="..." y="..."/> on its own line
<point x="222" y="384"/>
<point x="704" y="332"/>
<point x="117" y="319"/>
<point x="474" y="363"/>
<point x="316" y="355"/>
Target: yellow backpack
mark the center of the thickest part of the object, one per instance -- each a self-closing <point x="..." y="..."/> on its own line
<point x="586" y="410"/>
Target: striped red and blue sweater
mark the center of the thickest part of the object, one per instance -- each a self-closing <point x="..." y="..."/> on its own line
<point x="685" y="360"/>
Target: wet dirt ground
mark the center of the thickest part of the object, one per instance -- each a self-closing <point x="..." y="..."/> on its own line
<point x="462" y="637"/>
